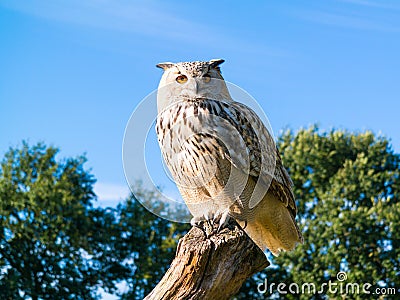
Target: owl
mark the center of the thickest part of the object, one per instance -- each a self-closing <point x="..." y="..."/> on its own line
<point x="222" y="157"/>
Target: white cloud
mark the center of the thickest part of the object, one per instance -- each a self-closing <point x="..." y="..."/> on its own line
<point x="110" y="194"/>
<point x="120" y="15"/>
<point x="380" y="4"/>
<point x="355" y="21"/>
<point x="145" y="18"/>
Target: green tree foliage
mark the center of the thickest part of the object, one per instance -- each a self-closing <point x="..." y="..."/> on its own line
<point x="347" y="188"/>
<point x="148" y="240"/>
<point x="53" y="243"/>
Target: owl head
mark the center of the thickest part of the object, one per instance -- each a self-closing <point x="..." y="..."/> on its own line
<point x="191" y="81"/>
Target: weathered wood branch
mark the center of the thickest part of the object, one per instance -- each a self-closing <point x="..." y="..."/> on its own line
<point x="210" y="268"/>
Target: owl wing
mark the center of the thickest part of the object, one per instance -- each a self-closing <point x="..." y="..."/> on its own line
<point x="242" y="138"/>
<point x="282" y="186"/>
<point x="265" y="163"/>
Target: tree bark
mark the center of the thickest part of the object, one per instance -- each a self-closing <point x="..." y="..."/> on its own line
<point x="212" y="267"/>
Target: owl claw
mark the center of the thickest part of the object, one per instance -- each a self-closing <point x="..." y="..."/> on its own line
<point x="209" y="218"/>
<point x="245" y="224"/>
<point x="205" y="223"/>
<point x="196" y="221"/>
<point x="239" y="219"/>
<point x="223" y="221"/>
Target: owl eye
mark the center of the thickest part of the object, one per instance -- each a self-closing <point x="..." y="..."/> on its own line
<point x="206" y="78"/>
<point x="181" y="79"/>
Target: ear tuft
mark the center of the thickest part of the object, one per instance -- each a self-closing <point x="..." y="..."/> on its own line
<point x="214" y="63"/>
<point x="165" y="65"/>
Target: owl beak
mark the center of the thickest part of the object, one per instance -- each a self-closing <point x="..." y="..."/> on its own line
<point x="193" y="85"/>
<point x="192" y="88"/>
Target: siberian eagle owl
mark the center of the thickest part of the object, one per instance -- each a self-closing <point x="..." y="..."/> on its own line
<point x="222" y="157"/>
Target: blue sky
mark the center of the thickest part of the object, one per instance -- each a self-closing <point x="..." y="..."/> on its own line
<point x="72" y="72"/>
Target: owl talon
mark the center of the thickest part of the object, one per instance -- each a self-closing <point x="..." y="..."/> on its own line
<point x="245" y="224"/>
<point x="196" y="221"/>
<point x="209" y="217"/>
<point x="204" y="223"/>
<point x="223" y="221"/>
<point x="239" y="219"/>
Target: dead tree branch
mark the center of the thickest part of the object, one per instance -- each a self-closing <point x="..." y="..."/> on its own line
<point x="210" y="268"/>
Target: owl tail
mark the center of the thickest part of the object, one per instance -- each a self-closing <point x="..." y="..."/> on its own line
<point x="273" y="227"/>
